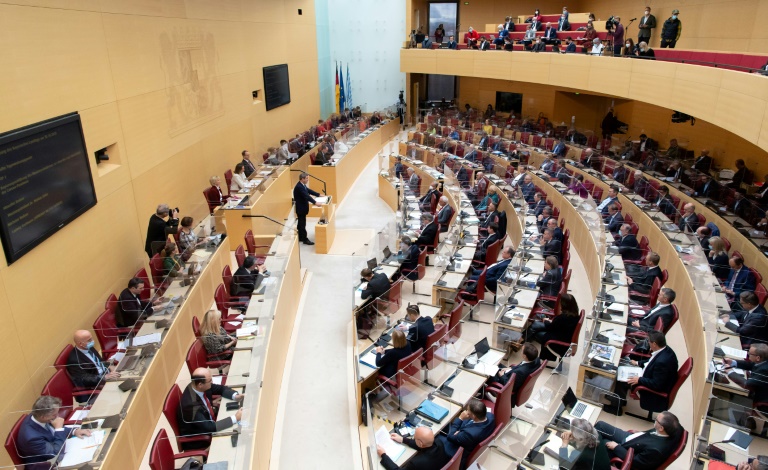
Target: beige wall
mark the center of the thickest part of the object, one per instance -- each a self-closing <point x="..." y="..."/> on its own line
<point x="168" y="81"/>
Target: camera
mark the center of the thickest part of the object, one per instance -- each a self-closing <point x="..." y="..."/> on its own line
<point x="610" y="23"/>
<point x="679" y="118"/>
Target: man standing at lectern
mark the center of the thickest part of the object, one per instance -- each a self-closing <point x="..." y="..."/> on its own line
<point x="302" y="196"/>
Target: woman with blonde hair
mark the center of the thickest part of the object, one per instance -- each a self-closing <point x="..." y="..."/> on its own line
<point x="215" y="337"/>
<point x="718" y="258"/>
<point x="387" y="360"/>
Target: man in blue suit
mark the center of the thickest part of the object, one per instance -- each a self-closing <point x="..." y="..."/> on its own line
<point x="570" y="47"/>
<point x="740" y="279"/>
<point x="611" y="198"/>
<point x="528" y="189"/>
<point x="496" y="270"/>
<point x="560" y="149"/>
<point x="472" y="427"/>
<point x="753" y="320"/>
<point x="302" y="196"/>
<point x="615" y="219"/>
<point x="42" y="434"/>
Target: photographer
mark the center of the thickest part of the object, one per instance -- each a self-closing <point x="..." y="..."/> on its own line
<point x="616" y="31"/>
<point x="159" y="228"/>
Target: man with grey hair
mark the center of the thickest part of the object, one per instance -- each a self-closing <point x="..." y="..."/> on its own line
<point x="444" y="213"/>
<point x="42" y="433"/>
<point x="162" y="223"/>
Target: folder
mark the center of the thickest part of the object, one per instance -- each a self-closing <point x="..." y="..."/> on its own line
<point x="430" y="410"/>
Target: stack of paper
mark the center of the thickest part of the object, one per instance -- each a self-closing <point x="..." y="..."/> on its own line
<point x="733" y="352"/>
<point x="78" y="451"/>
<point x="392" y="448"/>
<point x="252" y="330"/>
<point x="369" y="358"/>
<point x="147" y="339"/>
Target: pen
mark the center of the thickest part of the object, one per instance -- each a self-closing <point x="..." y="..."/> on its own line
<point x="613" y="288"/>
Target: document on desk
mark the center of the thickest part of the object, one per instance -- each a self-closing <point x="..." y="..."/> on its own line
<point x="321" y="199"/>
<point x="392" y="448"/>
<point x="369" y="359"/>
<point x="249" y="330"/>
<point x="78" y="451"/>
<point x="201" y="253"/>
<point x="147" y="339"/>
<point x="733" y="352"/>
<point x="627" y="372"/>
<point x="118" y="356"/>
<point x="79" y="415"/>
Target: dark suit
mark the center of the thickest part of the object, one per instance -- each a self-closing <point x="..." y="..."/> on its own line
<point x="648" y="322"/>
<point x="615" y="222"/>
<point x="629" y="249"/>
<point x="539" y="207"/>
<point x="411" y="263"/>
<point x="444" y="217"/>
<point x="720" y="267"/>
<point x="703" y="163"/>
<point x="418" y="333"/>
<point x="563" y="24"/>
<point x="690" y="223"/>
<point x="466" y="434"/>
<point x="528" y="191"/>
<point x="485" y="45"/>
<point x="430" y="458"/>
<point x="452" y="45"/>
<point x="744" y="281"/>
<point x="83" y="370"/>
<point x="130" y="308"/>
<point x="425" y="203"/>
<point x="302" y="196"/>
<point x="552" y="248"/>
<point x="647" y="23"/>
<point x="709" y="190"/>
<point x="550" y="35"/>
<point x="539" y="47"/>
<point x="483" y="248"/>
<point x="244" y="282"/>
<point x="494" y="273"/>
<point x="643" y="281"/>
<point x="387" y="362"/>
<point x="757" y="383"/>
<point x="603" y="206"/>
<point x="521" y="372"/>
<point x="660" y="374"/>
<point x="666" y="206"/>
<point x="570" y="48"/>
<point x="741" y="207"/>
<point x="550" y="282"/>
<point x="641" y="187"/>
<point x="194" y="416"/>
<point x="651" y="450"/>
<point x="560" y="329"/>
<point x="428" y="234"/>
<point x="377" y="286"/>
<point x="36" y="443"/>
<point x="753" y="326"/>
<point x="248" y="167"/>
<point x="157" y="233"/>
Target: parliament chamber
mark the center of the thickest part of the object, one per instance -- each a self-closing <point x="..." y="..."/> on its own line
<point x="555" y="261"/>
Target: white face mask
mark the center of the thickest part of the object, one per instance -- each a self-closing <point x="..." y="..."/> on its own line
<point x="674" y="17"/>
<point x="628" y="45"/>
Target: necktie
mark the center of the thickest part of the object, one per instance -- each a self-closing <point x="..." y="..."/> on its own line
<point x="96" y="361"/>
<point x="208" y="405"/>
<point x="50" y="428"/>
<point x="733" y="280"/>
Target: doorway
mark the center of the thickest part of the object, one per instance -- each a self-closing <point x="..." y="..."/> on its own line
<point x="445" y="13"/>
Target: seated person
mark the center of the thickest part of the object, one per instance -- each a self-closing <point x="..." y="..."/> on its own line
<point x="665" y="203"/>
<point x="587" y="158"/>
<point x="196" y="414"/>
<point x="492" y="196"/>
<point x="557" y="232"/>
<point x="444" y="214"/>
<point x="620" y="173"/>
<point x="651" y="447"/>
<point x="611" y="198"/>
<point x="719" y="262"/>
<point x="213" y="194"/>
<point x="420" y="329"/>
<point x="171" y="260"/>
<point x="543" y="219"/>
<point x="560" y="328"/>
<point x="562" y="174"/>
<point x="215" y="338"/>
<point x="428" y="231"/>
<point x="659" y="374"/>
<point x="752" y="318"/>
<point x="521" y="371"/>
<point x="493" y="237"/>
<point x="550" y="34"/>
<point x="413" y="181"/>
<point x="528" y="189"/>
<point x="377" y="284"/>
<point x="739" y="279"/>
<point x="247" y="279"/>
<point x="703" y="234"/>
<point x="399" y="168"/>
<point x="42" y="434"/>
<point x="615" y="220"/>
<point x="130" y="307"/>
<point x="548" y="166"/>
<point x="742" y="175"/>
<point x="430" y="453"/>
<point x="539" y="45"/>
<point x="550" y="246"/>
<point x="577" y="186"/>
<point x="740" y="205"/>
<point x="641" y="185"/>
<point x="539" y="203"/>
<point x="188" y="240"/>
<point x="662" y="309"/>
<point x="425" y="203"/>
<point x="550" y="281"/>
<point x="85" y="366"/>
<point x="642" y="281"/>
<point x="560" y="150"/>
<point x="239" y="180"/>
<point x="386" y="360"/>
<point x="627" y="243"/>
<point x="472" y="427"/>
<point x="410" y="264"/>
<point x="494" y="271"/>
<point x="757" y="365"/>
<point x="480" y="189"/>
<point x="499" y="218"/>
<point x="588" y="446"/>
<point x="689" y="222"/>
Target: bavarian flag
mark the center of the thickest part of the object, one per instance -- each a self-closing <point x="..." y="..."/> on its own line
<point x="337" y="88"/>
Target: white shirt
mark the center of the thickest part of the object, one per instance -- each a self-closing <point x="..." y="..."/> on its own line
<point x="45" y="425"/>
<point x="239" y="182"/>
<point x="99" y="365"/>
<point x="653" y="356"/>
<point x="597" y="49"/>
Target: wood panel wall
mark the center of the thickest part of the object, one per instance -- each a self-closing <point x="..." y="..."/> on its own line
<point x="170" y="82"/>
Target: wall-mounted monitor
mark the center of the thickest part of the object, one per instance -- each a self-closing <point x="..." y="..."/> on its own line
<point x="509" y="102"/>
<point x="45" y="182"/>
<point x="277" y="88"/>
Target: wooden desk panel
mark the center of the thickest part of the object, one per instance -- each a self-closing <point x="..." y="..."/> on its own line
<point x="326" y="233"/>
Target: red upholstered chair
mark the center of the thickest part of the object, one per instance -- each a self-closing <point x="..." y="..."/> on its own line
<point x="625" y="464"/>
<point x="11" y="446"/>
<point x="455" y="462"/>
<point x="223" y="303"/>
<point x="63" y="357"/>
<point x="597" y="193"/>
<point x="421" y="269"/>
<point x="481" y="447"/>
<point x="644" y="248"/>
<point x="526" y="390"/>
<point x="678" y="450"/>
<point x="757" y="275"/>
<point x="240" y="255"/>
<point x="196" y="326"/>
<point x="433" y="342"/>
<point x="170" y="410"/>
<point x="408" y="365"/>
<point x="251" y="246"/>
<point x="433" y="246"/>
<point x="390" y="302"/>
<point x="146" y="291"/>
<point x="702" y="220"/>
<point x="502" y="407"/>
<point x="727" y="243"/>
<point x="454" y="322"/>
<point x="473" y="298"/>
<point x="228" y="179"/>
<point x="563" y="289"/>
<point x="211" y="196"/>
<point x="198" y="357"/>
<point x="491" y="254"/>
<point x="61" y="386"/>
<point x="644" y="300"/>
<point x="682" y="374"/>
<point x="108" y="333"/>
<point x="761" y="293"/>
<point x="573" y="344"/>
<point x="161" y="456"/>
<point x="159" y="279"/>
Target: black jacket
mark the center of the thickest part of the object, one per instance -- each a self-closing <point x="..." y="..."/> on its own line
<point x="431" y="458"/>
<point x="411" y="261"/>
<point x="648" y="322"/>
<point x="650" y="450"/>
<point x="130" y="309"/>
<point x="427" y="236"/>
<point x="419" y="331"/>
<point x="550" y="282"/>
<point x="193" y="415"/>
<point x="757" y="383"/>
<point x="560" y="329"/>
<point x="629" y="248"/>
<point x="643" y="281"/>
<point x="387" y="362"/>
<point x="377" y="286"/>
<point x="552" y="248"/>
<point x="83" y="371"/>
<point x="691" y="223"/>
<point x="302" y="195"/>
<point x="753" y="327"/>
<point x="667" y="206"/>
<point x="244" y="282"/>
<point x="660" y="375"/>
<point x="521" y="371"/>
<point x="157" y="233"/>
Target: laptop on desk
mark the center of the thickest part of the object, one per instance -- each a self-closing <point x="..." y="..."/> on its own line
<point x="128" y="363"/>
<point x="372" y="263"/>
<point x="576" y="408"/>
